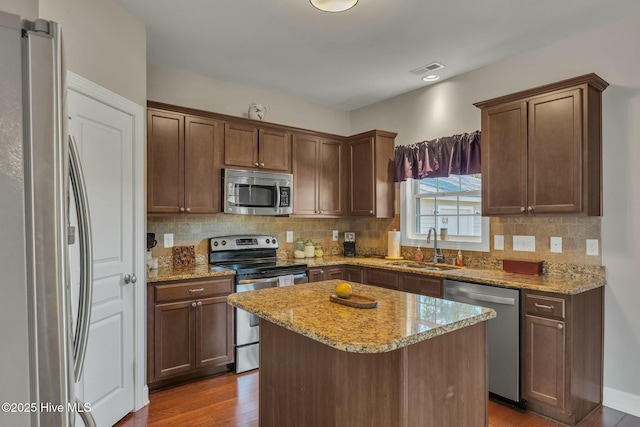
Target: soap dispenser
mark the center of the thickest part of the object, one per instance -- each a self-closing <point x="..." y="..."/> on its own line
<point x="419" y="255"/>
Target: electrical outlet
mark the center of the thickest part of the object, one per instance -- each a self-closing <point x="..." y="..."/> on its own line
<point x="524" y="243"/>
<point x="556" y="245"/>
<point x="335" y="235"/>
<point x="289" y="236"/>
<point x="498" y="242"/>
<point x="592" y="247"/>
<point x="168" y="240"/>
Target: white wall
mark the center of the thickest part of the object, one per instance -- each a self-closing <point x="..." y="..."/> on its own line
<point x="27" y="9"/>
<point x="103" y="43"/>
<point x="612" y="53"/>
<point x="194" y="91"/>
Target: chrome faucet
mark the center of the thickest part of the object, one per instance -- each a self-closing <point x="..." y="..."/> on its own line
<point x="437" y="257"/>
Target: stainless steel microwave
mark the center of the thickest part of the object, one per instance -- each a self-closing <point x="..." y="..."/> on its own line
<point x="257" y="192"/>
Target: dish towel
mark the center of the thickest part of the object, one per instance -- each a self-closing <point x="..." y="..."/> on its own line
<point x="285" y="280"/>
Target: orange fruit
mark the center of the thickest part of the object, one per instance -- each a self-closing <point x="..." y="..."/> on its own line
<point x="343" y="290"/>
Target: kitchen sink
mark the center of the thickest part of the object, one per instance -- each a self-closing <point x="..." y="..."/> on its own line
<point x="423" y="265"/>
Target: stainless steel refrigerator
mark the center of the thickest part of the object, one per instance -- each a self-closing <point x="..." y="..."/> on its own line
<point x="43" y="337"/>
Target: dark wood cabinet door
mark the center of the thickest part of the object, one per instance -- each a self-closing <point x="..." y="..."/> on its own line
<point x="305" y="175"/>
<point x="362" y="177"/>
<point x="315" y="274"/>
<point x="544" y="361"/>
<point x="240" y="145"/>
<point x="174" y="349"/>
<point x="274" y="150"/>
<point x="382" y="278"/>
<point x="165" y="161"/>
<point x="214" y="332"/>
<point x="422" y="285"/>
<point x="555" y="153"/>
<point x="331" y="176"/>
<point x="504" y="159"/>
<point x="353" y="274"/>
<point x="202" y="184"/>
<point x="333" y="272"/>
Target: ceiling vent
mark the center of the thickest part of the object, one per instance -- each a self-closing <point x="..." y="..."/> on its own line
<point x="429" y="68"/>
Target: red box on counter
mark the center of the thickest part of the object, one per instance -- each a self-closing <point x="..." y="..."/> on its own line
<point x="522" y="266"/>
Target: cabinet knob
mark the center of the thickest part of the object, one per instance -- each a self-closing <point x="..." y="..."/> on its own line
<point x="560" y="326"/>
<point x="199" y="303"/>
<point x="261" y="165"/>
<point x="193" y="304"/>
<point x="188" y="210"/>
<point x="256" y="164"/>
<point x="522" y="209"/>
<point x="181" y="209"/>
<point x="530" y="208"/>
<point x="370" y="212"/>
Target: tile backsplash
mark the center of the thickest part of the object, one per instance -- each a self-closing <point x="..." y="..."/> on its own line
<point x="371" y="235"/>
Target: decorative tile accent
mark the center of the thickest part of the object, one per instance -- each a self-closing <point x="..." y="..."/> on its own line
<point x="184" y="256"/>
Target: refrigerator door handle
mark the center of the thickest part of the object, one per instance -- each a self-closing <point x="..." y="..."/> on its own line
<point x="86" y="262"/>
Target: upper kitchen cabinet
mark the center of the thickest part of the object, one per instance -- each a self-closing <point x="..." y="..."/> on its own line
<point x="250" y="147"/>
<point x="319" y="176"/>
<point x="542" y="149"/>
<point x="180" y="163"/>
<point x="371" y="186"/>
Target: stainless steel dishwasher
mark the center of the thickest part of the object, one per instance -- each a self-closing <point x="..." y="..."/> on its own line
<point x="503" y="333"/>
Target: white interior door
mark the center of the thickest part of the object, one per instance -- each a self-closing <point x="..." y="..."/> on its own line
<point x="105" y="141"/>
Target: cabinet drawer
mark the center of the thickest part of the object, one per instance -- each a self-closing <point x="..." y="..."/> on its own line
<point x="544" y="306"/>
<point x="193" y="290"/>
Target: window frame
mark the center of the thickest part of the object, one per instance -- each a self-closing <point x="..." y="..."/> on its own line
<point x="408" y="217"/>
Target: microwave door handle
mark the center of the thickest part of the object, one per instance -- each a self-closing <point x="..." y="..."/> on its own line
<point x="277" y="206"/>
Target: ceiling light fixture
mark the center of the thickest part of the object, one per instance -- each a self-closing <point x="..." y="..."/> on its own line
<point x="431" y="78"/>
<point x="333" y="5"/>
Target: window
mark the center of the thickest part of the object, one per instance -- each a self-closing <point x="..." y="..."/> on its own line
<point x="453" y="203"/>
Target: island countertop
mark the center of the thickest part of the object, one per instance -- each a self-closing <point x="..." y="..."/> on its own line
<point x="399" y="320"/>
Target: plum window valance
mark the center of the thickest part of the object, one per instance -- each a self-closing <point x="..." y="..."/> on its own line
<point x="441" y="157"/>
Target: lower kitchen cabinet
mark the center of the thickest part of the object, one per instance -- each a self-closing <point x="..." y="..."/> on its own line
<point x="422" y="285"/>
<point x="189" y="331"/>
<point x="383" y="278"/>
<point x="562" y="353"/>
<point x="326" y="273"/>
<point x="353" y="274"/>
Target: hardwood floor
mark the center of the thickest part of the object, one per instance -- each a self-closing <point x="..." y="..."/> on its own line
<point x="232" y="400"/>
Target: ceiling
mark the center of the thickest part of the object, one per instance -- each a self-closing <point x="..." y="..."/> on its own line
<point x="352" y="59"/>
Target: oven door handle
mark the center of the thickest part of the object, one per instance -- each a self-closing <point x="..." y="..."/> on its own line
<point x="258" y="281"/>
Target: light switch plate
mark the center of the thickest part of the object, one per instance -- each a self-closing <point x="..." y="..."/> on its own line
<point x="335" y="235"/>
<point x="168" y="240"/>
<point x="289" y="237"/>
<point x="556" y="245"/>
<point x="592" y="247"/>
<point x="524" y="243"/>
<point x="498" y="242"/>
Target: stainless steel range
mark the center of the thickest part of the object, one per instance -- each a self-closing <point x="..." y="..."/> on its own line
<point x="253" y="257"/>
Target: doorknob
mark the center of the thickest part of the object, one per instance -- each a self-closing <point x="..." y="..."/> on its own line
<point x="128" y="278"/>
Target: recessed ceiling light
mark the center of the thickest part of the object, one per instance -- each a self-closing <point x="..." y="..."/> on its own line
<point x="431" y="78"/>
<point x="333" y="5"/>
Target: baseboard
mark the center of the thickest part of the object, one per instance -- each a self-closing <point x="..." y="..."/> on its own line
<point x="621" y="401"/>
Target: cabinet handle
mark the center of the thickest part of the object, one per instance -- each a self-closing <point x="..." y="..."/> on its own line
<point x="321" y="271"/>
<point x="370" y="212"/>
<point x="261" y="165"/>
<point x="194" y="291"/>
<point x="181" y="209"/>
<point x="199" y="303"/>
<point x="188" y="210"/>
<point x="522" y="209"/>
<point x="560" y="326"/>
<point x="530" y="209"/>
<point x="256" y="164"/>
<point x="544" y="306"/>
<point x="193" y="304"/>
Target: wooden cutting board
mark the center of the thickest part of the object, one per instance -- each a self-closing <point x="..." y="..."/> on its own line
<point x="357" y="301"/>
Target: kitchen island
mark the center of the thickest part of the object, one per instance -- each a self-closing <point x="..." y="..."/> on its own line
<point x="413" y="360"/>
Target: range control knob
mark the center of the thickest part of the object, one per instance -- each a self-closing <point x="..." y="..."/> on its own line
<point x="268" y="241"/>
<point x="215" y="243"/>
<point x="224" y="243"/>
<point x="274" y="241"/>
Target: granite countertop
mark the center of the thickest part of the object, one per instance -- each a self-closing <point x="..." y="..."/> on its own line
<point x="399" y="320"/>
<point x="166" y="274"/>
<point x="568" y="285"/>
